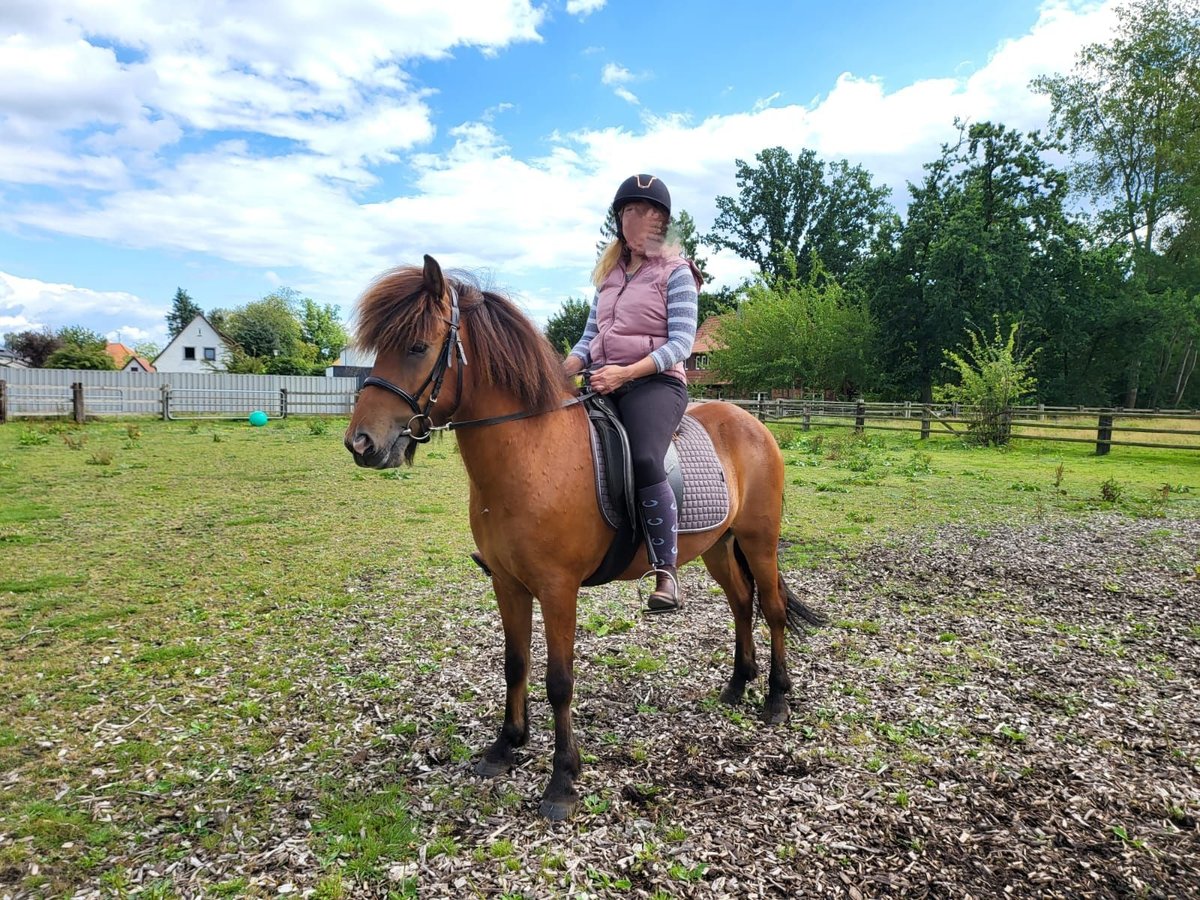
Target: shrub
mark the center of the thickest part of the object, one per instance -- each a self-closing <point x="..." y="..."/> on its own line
<point x="74" y="441"/>
<point x="32" y="437"/>
<point x="317" y="426"/>
<point x="1111" y="490"/>
<point x="993" y="376"/>
<point x="101" y="458"/>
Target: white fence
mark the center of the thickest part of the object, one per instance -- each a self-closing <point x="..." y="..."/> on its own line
<point x="176" y="395"/>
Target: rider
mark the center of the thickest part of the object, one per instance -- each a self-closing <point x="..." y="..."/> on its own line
<point x="639" y="332"/>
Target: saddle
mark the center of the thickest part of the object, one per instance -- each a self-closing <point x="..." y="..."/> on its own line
<point x="693" y="471"/>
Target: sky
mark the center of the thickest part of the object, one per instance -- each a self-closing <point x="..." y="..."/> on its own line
<point x="231" y="148"/>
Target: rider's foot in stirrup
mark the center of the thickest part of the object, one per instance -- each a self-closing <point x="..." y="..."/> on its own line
<point x="666" y="596"/>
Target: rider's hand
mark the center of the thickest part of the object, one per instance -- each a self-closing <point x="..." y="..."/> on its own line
<point x="608" y="379"/>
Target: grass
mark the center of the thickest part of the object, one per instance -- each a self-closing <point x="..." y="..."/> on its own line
<point x="158" y="610"/>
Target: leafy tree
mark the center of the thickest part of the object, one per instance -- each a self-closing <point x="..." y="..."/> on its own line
<point x="993" y="376"/>
<point x="608" y="233"/>
<point x="266" y="328"/>
<point x="1131" y="112"/>
<point x="566" y="326"/>
<point x="321" y="330"/>
<point x="802" y="207"/>
<point x="1130" y="109"/>
<point x="986" y="235"/>
<point x="35" y="347"/>
<point x="183" y="310"/>
<point x="147" y="349"/>
<point x="683" y="229"/>
<point x="80" y="349"/>
<point x="795" y="333"/>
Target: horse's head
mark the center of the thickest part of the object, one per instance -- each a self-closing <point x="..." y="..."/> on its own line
<point x="409" y="317"/>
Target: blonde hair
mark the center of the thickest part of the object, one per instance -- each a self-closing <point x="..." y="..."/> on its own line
<point x="616" y="249"/>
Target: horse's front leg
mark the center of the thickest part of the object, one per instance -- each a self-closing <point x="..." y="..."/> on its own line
<point x="558" y="802"/>
<point x="516" y="612"/>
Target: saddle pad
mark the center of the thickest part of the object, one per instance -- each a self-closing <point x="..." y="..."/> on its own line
<point x="705" y="493"/>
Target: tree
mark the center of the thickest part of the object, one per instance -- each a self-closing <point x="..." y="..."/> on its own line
<point x="795" y="333"/>
<point x="1130" y="110"/>
<point x="183" y="310"/>
<point x="802" y="207"/>
<point x="683" y="230"/>
<point x="986" y="235"/>
<point x="566" y="326"/>
<point x="80" y="349"/>
<point x="265" y="328"/>
<point x="34" y="347"/>
<point x="321" y="330"/>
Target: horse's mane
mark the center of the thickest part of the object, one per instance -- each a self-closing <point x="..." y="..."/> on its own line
<point x="397" y="310"/>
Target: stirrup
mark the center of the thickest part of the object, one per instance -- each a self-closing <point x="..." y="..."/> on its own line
<point x="659" y="602"/>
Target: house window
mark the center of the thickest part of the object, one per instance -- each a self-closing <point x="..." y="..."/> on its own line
<point x="701" y="360"/>
<point x="210" y="353"/>
<point x="189" y="352"/>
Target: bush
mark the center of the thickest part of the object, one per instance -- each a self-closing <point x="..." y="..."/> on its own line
<point x="993" y="377"/>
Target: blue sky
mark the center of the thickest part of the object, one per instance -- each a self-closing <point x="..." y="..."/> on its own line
<point x="232" y="148"/>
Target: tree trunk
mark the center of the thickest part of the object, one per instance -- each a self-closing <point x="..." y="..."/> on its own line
<point x="1185" y="372"/>
<point x="1131" y="388"/>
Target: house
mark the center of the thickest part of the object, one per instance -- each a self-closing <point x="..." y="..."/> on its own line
<point x="198" y="347"/>
<point x="352" y="363"/>
<point x="10" y="360"/>
<point x="697" y="365"/>
<point x="126" y="359"/>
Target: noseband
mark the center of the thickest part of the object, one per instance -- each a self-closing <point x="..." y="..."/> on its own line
<point x="452" y="347"/>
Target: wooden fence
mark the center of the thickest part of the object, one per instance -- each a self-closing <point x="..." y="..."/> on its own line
<point x="1105" y="427"/>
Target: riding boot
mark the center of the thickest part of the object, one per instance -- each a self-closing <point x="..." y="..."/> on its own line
<point x="660" y="518"/>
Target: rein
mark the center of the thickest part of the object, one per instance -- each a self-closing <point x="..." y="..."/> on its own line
<point x="452" y="347"/>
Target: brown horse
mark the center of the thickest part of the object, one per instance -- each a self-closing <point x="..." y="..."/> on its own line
<point x="533" y="506"/>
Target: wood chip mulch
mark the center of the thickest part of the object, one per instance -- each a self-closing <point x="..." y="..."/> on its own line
<point x="1004" y="711"/>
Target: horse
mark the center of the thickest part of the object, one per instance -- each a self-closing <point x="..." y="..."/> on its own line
<point x="451" y="356"/>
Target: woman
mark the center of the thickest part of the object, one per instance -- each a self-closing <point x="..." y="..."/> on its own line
<point x="639" y="332"/>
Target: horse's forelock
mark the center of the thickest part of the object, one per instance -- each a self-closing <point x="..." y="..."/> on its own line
<point x="395" y="310"/>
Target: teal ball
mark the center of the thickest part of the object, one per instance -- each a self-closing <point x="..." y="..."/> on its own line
<point x="258" y="418"/>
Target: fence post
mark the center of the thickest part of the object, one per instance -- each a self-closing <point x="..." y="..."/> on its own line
<point x="165" y="390"/>
<point x="77" y="410"/>
<point x="1104" y="434"/>
<point x="806" y="417"/>
<point x="908" y="409"/>
<point x="3" y="401"/>
<point x="926" y="420"/>
<point x="283" y="410"/>
<point x="860" y="415"/>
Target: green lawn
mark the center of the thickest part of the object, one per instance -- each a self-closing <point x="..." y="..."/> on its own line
<point x="165" y="586"/>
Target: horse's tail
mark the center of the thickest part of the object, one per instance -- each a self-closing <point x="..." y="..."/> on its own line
<point x="798" y="612"/>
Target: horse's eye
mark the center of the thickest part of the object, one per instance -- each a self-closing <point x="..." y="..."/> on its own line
<point x="418" y="348"/>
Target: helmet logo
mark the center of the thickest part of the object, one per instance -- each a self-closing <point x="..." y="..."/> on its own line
<point x="648" y="183"/>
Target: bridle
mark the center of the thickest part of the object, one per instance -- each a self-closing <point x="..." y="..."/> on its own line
<point x="452" y="347"/>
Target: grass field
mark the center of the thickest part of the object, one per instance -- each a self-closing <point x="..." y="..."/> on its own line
<point x="167" y="589"/>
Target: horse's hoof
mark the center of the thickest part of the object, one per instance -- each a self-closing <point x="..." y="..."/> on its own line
<point x="733" y="694"/>
<point x="490" y="768"/>
<point x="557" y="810"/>
<point x="776" y="711"/>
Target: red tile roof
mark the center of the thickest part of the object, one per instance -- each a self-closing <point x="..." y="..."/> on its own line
<point x="706" y="340"/>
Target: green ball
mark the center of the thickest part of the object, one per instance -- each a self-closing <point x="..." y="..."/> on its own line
<point x="258" y="417"/>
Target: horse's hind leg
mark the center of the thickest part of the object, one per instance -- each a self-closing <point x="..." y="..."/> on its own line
<point x="739" y="591"/>
<point x="758" y="551"/>
<point x="516" y="612"/>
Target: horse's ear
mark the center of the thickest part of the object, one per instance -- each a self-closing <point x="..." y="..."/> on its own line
<point x="435" y="282"/>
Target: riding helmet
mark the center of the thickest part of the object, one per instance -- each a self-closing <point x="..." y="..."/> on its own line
<point x="641" y="187"/>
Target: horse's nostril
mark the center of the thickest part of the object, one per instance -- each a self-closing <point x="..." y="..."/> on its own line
<point x="362" y="444"/>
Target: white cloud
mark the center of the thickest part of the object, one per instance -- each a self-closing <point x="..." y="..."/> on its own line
<point x="30" y="304"/>
<point x="627" y="95"/>
<point x="476" y="203"/>
<point x="615" y="74"/>
<point x="584" y="7"/>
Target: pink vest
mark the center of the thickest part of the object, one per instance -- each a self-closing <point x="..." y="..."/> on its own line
<point x="631" y="316"/>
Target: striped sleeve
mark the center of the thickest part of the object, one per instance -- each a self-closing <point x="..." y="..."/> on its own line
<point x="581" y="348"/>
<point x="682" y="309"/>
